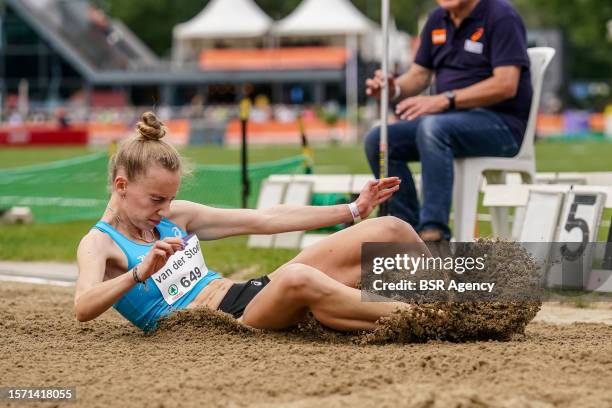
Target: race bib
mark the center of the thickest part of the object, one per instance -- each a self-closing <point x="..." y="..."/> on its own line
<point x="182" y="272"/>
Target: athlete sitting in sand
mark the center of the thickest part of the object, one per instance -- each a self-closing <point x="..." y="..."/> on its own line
<point x="139" y="258"/>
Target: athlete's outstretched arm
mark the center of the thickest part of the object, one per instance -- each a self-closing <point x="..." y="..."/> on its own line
<point x="214" y="223"/>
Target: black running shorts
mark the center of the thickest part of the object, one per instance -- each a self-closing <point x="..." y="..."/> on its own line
<point x="240" y="294"/>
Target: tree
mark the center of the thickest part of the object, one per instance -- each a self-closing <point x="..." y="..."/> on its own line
<point x="583" y="23"/>
<point x="278" y="9"/>
<point x="406" y="12"/>
<point x="153" y="20"/>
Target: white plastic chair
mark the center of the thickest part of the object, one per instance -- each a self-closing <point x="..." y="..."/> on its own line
<point x="469" y="171"/>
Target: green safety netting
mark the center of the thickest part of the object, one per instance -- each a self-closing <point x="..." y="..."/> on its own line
<point x="75" y="189"/>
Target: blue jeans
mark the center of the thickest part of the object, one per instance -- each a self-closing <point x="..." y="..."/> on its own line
<point x="435" y="140"/>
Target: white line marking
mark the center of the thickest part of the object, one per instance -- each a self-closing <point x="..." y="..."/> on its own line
<point x="38" y="281"/>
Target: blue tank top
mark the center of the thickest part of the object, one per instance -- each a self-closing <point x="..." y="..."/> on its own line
<point x="145" y="305"/>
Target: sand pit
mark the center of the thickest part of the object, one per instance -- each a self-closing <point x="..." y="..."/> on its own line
<point x="213" y="363"/>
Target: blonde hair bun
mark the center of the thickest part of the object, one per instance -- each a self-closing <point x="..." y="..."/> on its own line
<point x="150" y="128"/>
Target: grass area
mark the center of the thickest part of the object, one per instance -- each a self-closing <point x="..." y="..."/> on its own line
<point x="42" y="242"/>
<point x="15" y="156"/>
<point x="570" y="157"/>
<point x="332" y="159"/>
<point x="561" y="156"/>
<point x="37" y="242"/>
<point x="58" y="241"/>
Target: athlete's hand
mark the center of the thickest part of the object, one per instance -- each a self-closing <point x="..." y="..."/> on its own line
<point x="157" y="257"/>
<point x="374" y="193"/>
<point x="375" y="84"/>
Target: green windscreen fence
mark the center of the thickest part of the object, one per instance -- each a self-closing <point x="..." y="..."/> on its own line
<point x="75" y="189"/>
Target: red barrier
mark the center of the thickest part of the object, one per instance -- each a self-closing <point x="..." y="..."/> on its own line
<point x="43" y="135"/>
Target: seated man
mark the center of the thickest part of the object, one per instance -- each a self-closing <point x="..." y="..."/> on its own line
<point x="477" y="50"/>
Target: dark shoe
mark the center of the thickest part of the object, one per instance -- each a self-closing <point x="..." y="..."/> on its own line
<point x="432" y="235"/>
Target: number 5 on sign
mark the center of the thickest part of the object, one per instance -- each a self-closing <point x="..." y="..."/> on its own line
<point x="579" y="224"/>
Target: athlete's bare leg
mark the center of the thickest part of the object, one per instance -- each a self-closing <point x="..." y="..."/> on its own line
<point x="339" y="255"/>
<point x="297" y="288"/>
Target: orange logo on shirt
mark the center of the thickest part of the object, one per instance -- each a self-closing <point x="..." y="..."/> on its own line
<point x="438" y="36"/>
<point x="477" y="35"/>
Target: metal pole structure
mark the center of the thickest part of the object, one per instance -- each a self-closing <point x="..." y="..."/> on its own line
<point x="306" y="150"/>
<point x="352" y="104"/>
<point x="384" y="101"/>
<point x="3" y="46"/>
<point x="245" y="107"/>
<point x="607" y="260"/>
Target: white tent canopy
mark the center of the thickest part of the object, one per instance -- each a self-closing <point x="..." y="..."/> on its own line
<point x="324" y="18"/>
<point x="338" y="20"/>
<point x="226" y="19"/>
<point x="237" y="23"/>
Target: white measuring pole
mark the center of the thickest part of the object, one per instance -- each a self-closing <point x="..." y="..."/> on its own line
<point x="384" y="102"/>
<point x="384" y="96"/>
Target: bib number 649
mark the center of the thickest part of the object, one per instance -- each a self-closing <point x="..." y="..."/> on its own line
<point x="193" y="276"/>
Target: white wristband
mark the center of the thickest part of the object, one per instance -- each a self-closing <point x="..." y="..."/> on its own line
<point x="354" y="212"/>
<point x="397" y="92"/>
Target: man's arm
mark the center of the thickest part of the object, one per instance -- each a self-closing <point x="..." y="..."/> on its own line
<point x="410" y="83"/>
<point x="502" y="85"/>
<point x="499" y="87"/>
<point x="413" y="82"/>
